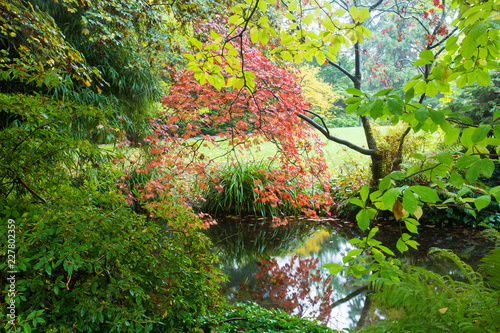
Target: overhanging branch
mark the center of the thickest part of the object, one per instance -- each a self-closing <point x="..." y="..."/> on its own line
<point x="326" y="133"/>
<point x="343" y="70"/>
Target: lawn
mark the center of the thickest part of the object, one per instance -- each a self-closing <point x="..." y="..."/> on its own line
<point x="336" y="155"/>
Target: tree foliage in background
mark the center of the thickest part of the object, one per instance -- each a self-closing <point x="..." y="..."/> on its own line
<point x="112" y="54"/>
<point x="322" y="96"/>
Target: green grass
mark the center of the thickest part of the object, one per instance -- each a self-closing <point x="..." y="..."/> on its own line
<point x="336" y="155"/>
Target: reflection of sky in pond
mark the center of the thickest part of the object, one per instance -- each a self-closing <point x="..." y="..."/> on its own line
<point x="276" y="267"/>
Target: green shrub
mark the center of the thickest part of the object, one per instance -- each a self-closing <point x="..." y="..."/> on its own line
<point x="86" y="262"/>
<point x="388" y="141"/>
<point x="250" y="317"/>
<point x="232" y="191"/>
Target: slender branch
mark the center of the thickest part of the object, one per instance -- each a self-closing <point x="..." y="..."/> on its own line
<point x="333" y="138"/>
<point x="232" y="319"/>
<point x="401" y="143"/>
<point x="30" y="189"/>
<point x="349" y="297"/>
<point x="364" y="313"/>
<point x="344" y="71"/>
<point x="444" y="39"/>
<point x="375" y="5"/>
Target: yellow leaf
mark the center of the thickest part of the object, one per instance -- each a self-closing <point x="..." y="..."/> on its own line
<point x="85" y="31"/>
<point x="443" y="310"/>
<point x="418" y="212"/>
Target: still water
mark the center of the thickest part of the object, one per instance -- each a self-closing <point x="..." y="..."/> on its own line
<point x="281" y="267"/>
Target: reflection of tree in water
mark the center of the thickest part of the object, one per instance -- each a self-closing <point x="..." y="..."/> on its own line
<point x="273" y="266"/>
<point x="296" y="287"/>
<point x="282" y="267"/>
<point x="242" y="241"/>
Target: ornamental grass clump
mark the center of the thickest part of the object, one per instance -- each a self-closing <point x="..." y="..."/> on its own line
<point x="246" y="189"/>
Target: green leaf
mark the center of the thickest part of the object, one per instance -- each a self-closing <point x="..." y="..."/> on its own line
<point x="354" y="12"/>
<point x="466" y="161"/>
<point x="409" y="201"/>
<point x="196" y="43"/>
<point x="339" y="12"/>
<point x="437" y="116"/>
<point x="411" y="227"/>
<point x="357" y="202"/>
<point x="395" y="106"/>
<point x="431" y="89"/>
<point x="385" y="183"/>
<point x="427" y="54"/>
<point x="480" y="133"/>
<point x="364" y="192"/>
<point x="482" y="202"/>
<point x="469" y="47"/>
<point x="352" y="100"/>
<point x="409" y="95"/>
<point x="377" y="110"/>
<point x="401" y="246"/>
<point x="363" y="219"/>
<point x="487" y="167"/>
<point x="352" y="107"/>
<point x="354" y="91"/>
<point x="421" y="115"/>
<point x="390" y="196"/>
<point x="334" y="268"/>
<point x="478" y="30"/>
<point x="364" y="13"/>
<point x="421" y="62"/>
<point x="473" y="172"/>
<point x="456" y="179"/>
<point x="451" y="136"/>
<point x="482" y="78"/>
<point x="425" y="193"/>
<point x="263" y="6"/>
<point x="445" y="158"/>
<point x="383" y="92"/>
<point x="320" y="57"/>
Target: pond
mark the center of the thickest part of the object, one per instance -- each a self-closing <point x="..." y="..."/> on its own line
<point x="281" y="267"/>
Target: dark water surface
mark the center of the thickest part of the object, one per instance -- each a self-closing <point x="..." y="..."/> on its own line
<point x="281" y="267"/>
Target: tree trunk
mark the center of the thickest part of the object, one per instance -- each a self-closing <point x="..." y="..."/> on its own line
<point x="367" y="127"/>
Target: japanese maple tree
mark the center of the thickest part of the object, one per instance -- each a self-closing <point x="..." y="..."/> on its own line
<point x="242" y="116"/>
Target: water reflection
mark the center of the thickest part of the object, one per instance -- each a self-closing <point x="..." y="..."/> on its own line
<point x="282" y="267"/>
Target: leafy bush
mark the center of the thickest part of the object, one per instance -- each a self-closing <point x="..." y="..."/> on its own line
<point x="433" y="303"/>
<point x="86" y="262"/>
<point x="241" y="189"/>
<point x="250" y="317"/>
<point x="389" y="138"/>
